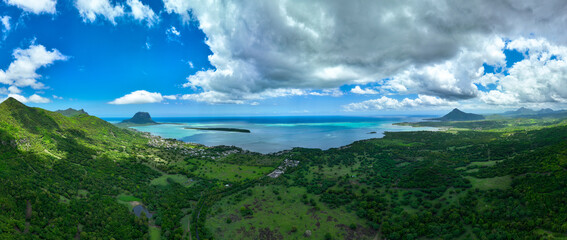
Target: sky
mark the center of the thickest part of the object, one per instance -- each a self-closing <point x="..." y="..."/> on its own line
<point x="283" y="57"/>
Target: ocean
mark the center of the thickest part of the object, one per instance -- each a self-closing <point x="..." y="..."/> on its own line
<point x="274" y="134"/>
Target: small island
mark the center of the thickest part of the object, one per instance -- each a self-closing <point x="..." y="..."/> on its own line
<point x="139" y="119"/>
<point x="221" y="129"/>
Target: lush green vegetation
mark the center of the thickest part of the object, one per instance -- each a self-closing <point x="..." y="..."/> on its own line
<point x="79" y="177"/>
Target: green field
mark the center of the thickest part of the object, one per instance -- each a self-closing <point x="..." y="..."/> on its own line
<point x="491" y="183"/>
<point x="155" y="233"/>
<point x="287" y="216"/>
<point x="178" y="178"/>
<point x="226" y="171"/>
<point x="185" y="223"/>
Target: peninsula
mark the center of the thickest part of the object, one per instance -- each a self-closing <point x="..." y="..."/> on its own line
<point x="221" y="129"/>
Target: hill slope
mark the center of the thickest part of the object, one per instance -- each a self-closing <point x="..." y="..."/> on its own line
<point x="79" y="177"/>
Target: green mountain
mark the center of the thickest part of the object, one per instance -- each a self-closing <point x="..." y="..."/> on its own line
<point x="83" y="178"/>
<point x="69" y="112"/>
<point x="140" y="118"/>
<point x="458" y="115"/>
<point x="526" y="111"/>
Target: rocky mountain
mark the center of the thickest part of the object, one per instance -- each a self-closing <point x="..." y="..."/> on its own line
<point x="140" y="118"/>
<point x="458" y="115"/>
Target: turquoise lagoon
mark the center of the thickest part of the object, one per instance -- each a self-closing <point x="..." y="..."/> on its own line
<point x="273" y="134"/>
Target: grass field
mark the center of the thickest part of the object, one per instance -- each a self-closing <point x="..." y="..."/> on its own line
<point x="155" y="233"/>
<point x="491" y="183"/>
<point x="178" y="178"/>
<point x="473" y="166"/>
<point x="228" y="172"/>
<point x="286" y="211"/>
<point x="185" y="222"/>
<point x="126" y="199"/>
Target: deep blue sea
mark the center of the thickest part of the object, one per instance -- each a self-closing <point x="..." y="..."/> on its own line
<point x="273" y="134"/>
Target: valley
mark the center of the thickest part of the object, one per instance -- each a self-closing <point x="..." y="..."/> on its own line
<point x="84" y="178"/>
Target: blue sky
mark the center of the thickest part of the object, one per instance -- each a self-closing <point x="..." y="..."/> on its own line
<point x="203" y="58"/>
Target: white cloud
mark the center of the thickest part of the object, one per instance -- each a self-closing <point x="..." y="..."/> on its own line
<point x="38" y="99"/>
<point x="359" y="90"/>
<point x="335" y="92"/>
<point x="90" y="9"/>
<point x="140" y="97"/>
<point x="57" y="97"/>
<point x="190" y="64"/>
<point x="170" y="97"/>
<point x="172" y="34"/>
<point x="34" y="6"/>
<point x="22" y="71"/>
<point x="258" y="46"/>
<point x="180" y="7"/>
<point x="14" y="89"/>
<point x="495" y="97"/>
<point x="391" y="103"/>
<point x="6" y="27"/>
<point x="224" y="98"/>
<point x="212" y="98"/>
<point x="540" y="78"/>
<point x="454" y="78"/>
<point x="142" y="12"/>
<point x="33" y="98"/>
<point x="3" y="91"/>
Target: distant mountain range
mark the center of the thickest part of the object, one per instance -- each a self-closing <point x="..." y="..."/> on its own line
<point x="527" y="111"/>
<point x="70" y="112"/>
<point x="458" y="115"/>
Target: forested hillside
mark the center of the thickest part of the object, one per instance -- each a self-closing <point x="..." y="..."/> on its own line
<point x="81" y="177"/>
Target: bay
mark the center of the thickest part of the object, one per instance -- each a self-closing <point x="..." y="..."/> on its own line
<point x="274" y="134"/>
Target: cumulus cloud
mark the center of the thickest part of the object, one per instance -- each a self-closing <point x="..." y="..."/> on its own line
<point x="495" y="97"/>
<point x="14" y="89"/>
<point x="540" y="78"/>
<point x="214" y="97"/>
<point x="391" y="103"/>
<point x="22" y="71"/>
<point x="32" y="99"/>
<point x="34" y="6"/>
<point x="142" y="12"/>
<point x="454" y="78"/>
<point x="180" y="7"/>
<point x="90" y="9"/>
<point x="359" y="90"/>
<point x="434" y="48"/>
<point x="141" y="97"/>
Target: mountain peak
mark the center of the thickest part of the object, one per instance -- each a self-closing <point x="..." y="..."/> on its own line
<point x="140" y="118"/>
<point x="458" y="115"/>
<point x="12" y="103"/>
